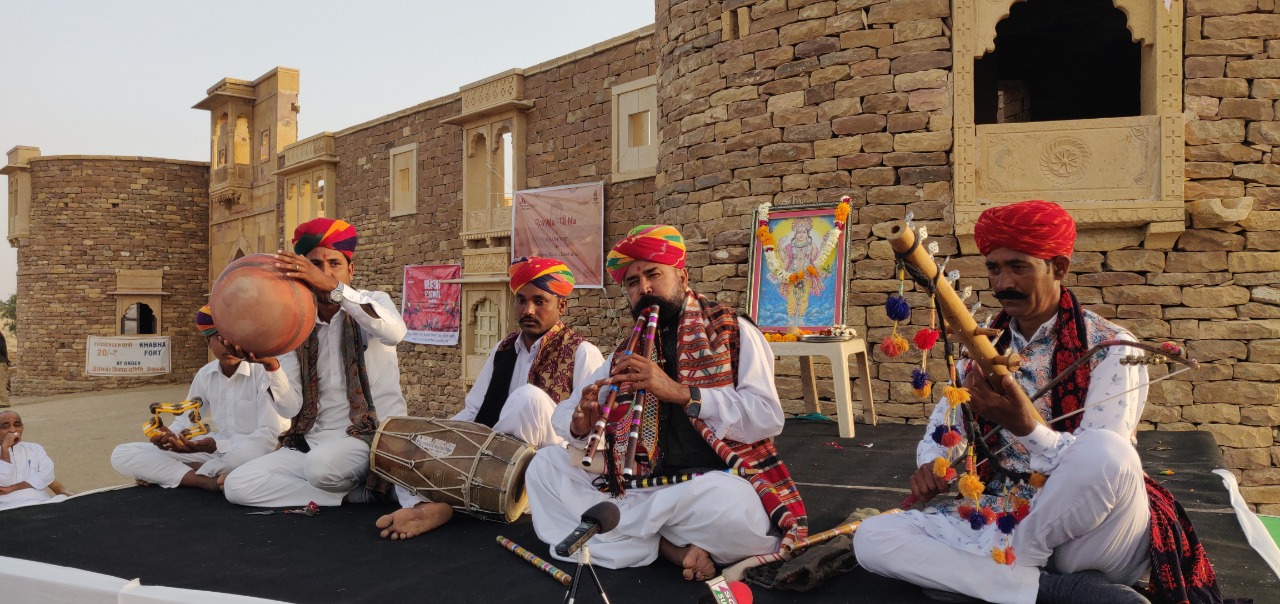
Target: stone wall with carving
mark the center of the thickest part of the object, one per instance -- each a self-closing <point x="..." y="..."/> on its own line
<point x="1219" y="285"/>
<point x="91" y="216"/>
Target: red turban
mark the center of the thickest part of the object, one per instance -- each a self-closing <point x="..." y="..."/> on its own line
<point x="324" y="232"/>
<point x="1036" y="228"/>
<point x="548" y="274"/>
<point x="650" y="242"/>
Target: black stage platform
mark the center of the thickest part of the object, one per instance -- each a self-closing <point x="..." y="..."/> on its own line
<point x="195" y="540"/>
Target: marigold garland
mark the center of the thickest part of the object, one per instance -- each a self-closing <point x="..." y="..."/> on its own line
<point x="769" y="244"/>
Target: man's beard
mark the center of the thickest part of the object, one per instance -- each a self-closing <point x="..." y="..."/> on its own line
<point x="669" y="309"/>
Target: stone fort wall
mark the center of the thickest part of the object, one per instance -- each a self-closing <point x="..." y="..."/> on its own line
<point x="92" y="216"/>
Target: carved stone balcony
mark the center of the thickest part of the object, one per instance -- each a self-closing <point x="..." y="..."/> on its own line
<point x="230" y="184"/>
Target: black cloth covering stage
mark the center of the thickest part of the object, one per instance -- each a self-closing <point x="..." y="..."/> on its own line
<point x="196" y="540"/>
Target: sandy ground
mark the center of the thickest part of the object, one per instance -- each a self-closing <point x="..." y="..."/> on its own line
<point x="80" y="430"/>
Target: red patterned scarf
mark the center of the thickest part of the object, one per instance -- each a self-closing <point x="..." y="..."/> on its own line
<point x="552" y="370"/>
<point x="707" y="357"/>
<point x="1180" y="568"/>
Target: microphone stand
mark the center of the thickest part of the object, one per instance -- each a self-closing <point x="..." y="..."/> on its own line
<point x="584" y="559"/>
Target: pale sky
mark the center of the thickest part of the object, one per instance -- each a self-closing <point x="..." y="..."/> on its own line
<point x="119" y="78"/>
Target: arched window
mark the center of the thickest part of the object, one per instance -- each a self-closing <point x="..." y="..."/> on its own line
<point x="242" y="140"/>
<point x="1097" y="67"/>
<point x="220" y="142"/>
<point x="138" y="319"/>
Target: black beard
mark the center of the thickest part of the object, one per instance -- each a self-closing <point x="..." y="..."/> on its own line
<point x="669" y="310"/>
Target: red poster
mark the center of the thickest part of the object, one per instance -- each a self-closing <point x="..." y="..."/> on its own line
<point x="432" y="309"/>
<point x="565" y="223"/>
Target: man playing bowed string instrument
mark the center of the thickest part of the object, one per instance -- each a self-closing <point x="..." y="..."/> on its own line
<point x="523" y="379"/>
<point x="713" y="393"/>
<point x="1097" y="524"/>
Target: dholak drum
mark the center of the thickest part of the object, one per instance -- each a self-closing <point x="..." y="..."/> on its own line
<point x="464" y="464"/>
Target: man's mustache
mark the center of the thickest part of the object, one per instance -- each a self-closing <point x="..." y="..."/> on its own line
<point x="1010" y="294"/>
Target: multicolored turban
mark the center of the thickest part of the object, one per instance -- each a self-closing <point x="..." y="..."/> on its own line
<point x="1036" y="228"/>
<point x="324" y="232"/>
<point x="204" y="321"/>
<point x="548" y="274"/>
<point x="649" y="242"/>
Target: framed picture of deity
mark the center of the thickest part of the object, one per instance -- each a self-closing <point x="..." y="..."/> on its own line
<point x="798" y="259"/>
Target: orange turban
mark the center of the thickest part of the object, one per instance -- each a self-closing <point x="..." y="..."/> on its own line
<point x="548" y="274"/>
<point x="649" y="242"/>
<point x="324" y="232"/>
<point x="1036" y="228"/>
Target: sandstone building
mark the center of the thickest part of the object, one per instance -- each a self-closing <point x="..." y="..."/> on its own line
<point x="1152" y="122"/>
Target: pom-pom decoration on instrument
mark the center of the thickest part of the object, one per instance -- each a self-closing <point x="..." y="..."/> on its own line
<point x="959" y="434"/>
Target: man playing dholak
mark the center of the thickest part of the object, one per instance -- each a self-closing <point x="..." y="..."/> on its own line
<point x="711" y="392"/>
<point x="525" y="376"/>
<point x="238" y="405"/>
<point x="1098" y="524"/>
<point x="335" y="386"/>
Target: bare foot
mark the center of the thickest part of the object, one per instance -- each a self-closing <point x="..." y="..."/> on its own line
<point x="696" y="561"/>
<point x="142" y="483"/>
<point x="222" y="481"/>
<point x="407" y="523"/>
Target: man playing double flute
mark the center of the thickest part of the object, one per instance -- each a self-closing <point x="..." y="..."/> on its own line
<point x="709" y="403"/>
<point x="526" y="375"/>
<point x="1097" y="524"/>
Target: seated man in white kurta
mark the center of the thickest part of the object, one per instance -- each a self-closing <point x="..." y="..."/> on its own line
<point x="335" y="387"/>
<point x="1096" y="524"/>
<point x="25" y="469"/>
<point x="238" y="405"/>
<point x="711" y="405"/>
<point x="526" y="375"/>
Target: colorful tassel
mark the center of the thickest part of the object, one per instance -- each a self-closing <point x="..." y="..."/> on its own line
<point x="926" y="338"/>
<point x="894" y="345"/>
<point x="1037" y="480"/>
<point x="956" y="395"/>
<point x="1006" y="523"/>
<point x="920" y="382"/>
<point x="997" y="554"/>
<point x="952" y="438"/>
<point x="940" y="467"/>
<point x="971" y="487"/>
<point x="897" y="308"/>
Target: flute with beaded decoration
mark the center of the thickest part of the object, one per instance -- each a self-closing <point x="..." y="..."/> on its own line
<point x="533" y="559"/>
<point x="597" y="432"/>
<point x="637" y="403"/>
<point x="662" y="481"/>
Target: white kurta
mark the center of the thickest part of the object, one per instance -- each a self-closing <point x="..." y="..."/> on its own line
<point x="336" y="463"/>
<point x="30" y="464"/>
<point x="717" y="512"/>
<point x="1091" y="514"/>
<point x="243" y="420"/>
<point x="526" y="414"/>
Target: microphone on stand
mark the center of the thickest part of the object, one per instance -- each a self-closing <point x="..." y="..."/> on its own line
<point x="599" y="518"/>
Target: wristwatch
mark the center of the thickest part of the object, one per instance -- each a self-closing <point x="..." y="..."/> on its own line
<point x="337" y="294"/>
<point x="694" y="407"/>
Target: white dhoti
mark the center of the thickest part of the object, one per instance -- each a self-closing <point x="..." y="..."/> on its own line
<point x="717" y="512"/>
<point x="143" y="461"/>
<point x="336" y="464"/>
<point x="1092" y="514"/>
<point x="526" y="415"/>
